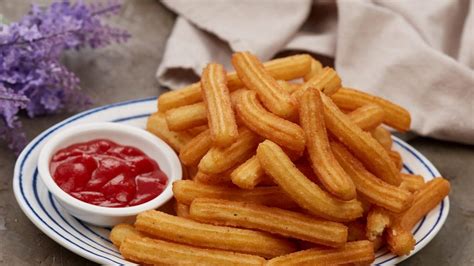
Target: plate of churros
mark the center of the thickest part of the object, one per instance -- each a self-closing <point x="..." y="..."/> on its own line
<point x="281" y="163"/>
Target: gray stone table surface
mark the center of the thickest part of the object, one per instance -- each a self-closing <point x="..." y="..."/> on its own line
<point x="124" y="72"/>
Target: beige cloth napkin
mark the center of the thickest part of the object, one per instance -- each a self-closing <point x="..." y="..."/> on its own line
<point x="416" y="53"/>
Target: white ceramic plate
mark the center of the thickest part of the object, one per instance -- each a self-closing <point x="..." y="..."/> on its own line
<point x="92" y="242"/>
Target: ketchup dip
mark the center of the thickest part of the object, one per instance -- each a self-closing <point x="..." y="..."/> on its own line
<point x="107" y="174"/>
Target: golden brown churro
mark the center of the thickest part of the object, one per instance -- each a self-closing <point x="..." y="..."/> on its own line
<point x="185" y="231"/>
<point x="367" y="117"/>
<point x="156" y="124"/>
<point x="327" y="82"/>
<point x="412" y="182"/>
<point x="185" y="191"/>
<point x="395" y="115"/>
<point x="353" y="252"/>
<point x="316" y="69"/>
<point x="255" y="77"/>
<point x="216" y="97"/>
<point x="268" y="125"/>
<point x="158" y="252"/>
<point x="324" y="165"/>
<point x="122" y="231"/>
<point x="364" y="147"/>
<point x="220" y="159"/>
<point x="302" y="190"/>
<point x="248" y="174"/>
<point x="267" y="219"/>
<point x="377" y="220"/>
<point x="195" y="149"/>
<point x="186" y="117"/>
<point x="372" y="188"/>
<point x="181" y="210"/>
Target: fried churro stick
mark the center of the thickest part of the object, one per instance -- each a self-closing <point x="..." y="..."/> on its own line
<point x="249" y="174"/>
<point x="324" y="165"/>
<point x="268" y="125"/>
<point x="412" y="182"/>
<point x="289" y="87"/>
<point x="352" y="252"/>
<point x="216" y="97"/>
<point x="220" y="159"/>
<point x="364" y="147"/>
<point x="156" y="124"/>
<point x="195" y="149"/>
<point x="327" y="82"/>
<point x="185" y="191"/>
<point x="302" y="190"/>
<point x="185" y="231"/>
<point x="372" y="188"/>
<point x="367" y="117"/>
<point x="122" y="231"/>
<point x="316" y="69"/>
<point x="396" y="159"/>
<point x="255" y="77"/>
<point x="157" y="252"/>
<point x="286" y="68"/>
<point x="377" y="220"/>
<point x="267" y="219"/>
<point x="214" y="179"/>
<point x="194" y="131"/>
<point x="400" y="240"/>
<point x="186" y="117"/>
<point x="395" y="115"/>
<point x="181" y="210"/>
<point x="383" y="136"/>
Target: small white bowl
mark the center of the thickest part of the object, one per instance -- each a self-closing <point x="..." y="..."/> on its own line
<point x="151" y="145"/>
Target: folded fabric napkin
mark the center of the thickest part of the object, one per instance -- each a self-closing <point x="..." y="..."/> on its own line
<point x="418" y="54"/>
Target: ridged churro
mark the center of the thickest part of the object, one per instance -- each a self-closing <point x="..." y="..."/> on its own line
<point x="367" y="117"/>
<point x="327" y="82"/>
<point x="302" y="190"/>
<point x="220" y="159"/>
<point x="195" y="149"/>
<point x="316" y="69"/>
<point x="122" y="231"/>
<point x="361" y="143"/>
<point x="158" y="252"/>
<point x="372" y="188"/>
<point x="185" y="231"/>
<point x="324" y="165"/>
<point x="383" y="136"/>
<point x="395" y="116"/>
<point x="185" y="191"/>
<point x="248" y="174"/>
<point x="286" y="68"/>
<point x="268" y="125"/>
<point x="400" y="241"/>
<point x="186" y="117"/>
<point x="214" y="179"/>
<point x="396" y="159"/>
<point x="411" y="182"/>
<point x="377" y="220"/>
<point x="157" y="125"/>
<point x="268" y="219"/>
<point x="181" y="210"/>
<point x="220" y="115"/>
<point x="253" y="74"/>
<point x="359" y="252"/>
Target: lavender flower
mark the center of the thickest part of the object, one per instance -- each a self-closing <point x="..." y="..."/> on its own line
<point x="31" y="74"/>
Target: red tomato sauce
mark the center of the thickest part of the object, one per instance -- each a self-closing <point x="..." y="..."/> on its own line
<point x="104" y="173"/>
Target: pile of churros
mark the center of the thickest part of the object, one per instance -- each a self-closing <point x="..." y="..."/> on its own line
<point x="283" y="166"/>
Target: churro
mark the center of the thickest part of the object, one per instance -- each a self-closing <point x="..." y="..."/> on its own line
<point x="361" y="143"/>
<point x="186" y="231"/>
<point x="268" y="125"/>
<point x="286" y="68"/>
<point x="367" y="117"/>
<point x="220" y="115"/>
<point x="185" y="191"/>
<point x="220" y="159"/>
<point x="327" y="82"/>
<point x="214" y="179"/>
<point x="268" y="219"/>
<point x="396" y="159"/>
<point x="372" y="188"/>
<point x="253" y="74"/>
<point x="324" y="165"/>
<point x="158" y="252"/>
<point x="181" y="210"/>
<point x="157" y="125"/>
<point x="316" y="69"/>
<point x="412" y="182"/>
<point x="395" y="116"/>
<point x="186" y="117"/>
<point x="195" y="149"/>
<point x="248" y="174"/>
<point x="302" y="190"/>
<point x="353" y="252"/>
<point x="383" y="136"/>
<point x="122" y="231"/>
<point x="377" y="220"/>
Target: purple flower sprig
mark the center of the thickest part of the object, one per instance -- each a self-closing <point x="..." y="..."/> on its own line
<point x="32" y="77"/>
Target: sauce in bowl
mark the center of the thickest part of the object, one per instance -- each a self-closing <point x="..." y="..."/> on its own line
<point x="107" y="174"/>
